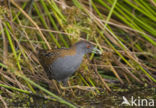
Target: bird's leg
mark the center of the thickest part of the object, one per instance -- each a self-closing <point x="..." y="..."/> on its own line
<point x="65" y="82"/>
<point x="66" y="85"/>
<point x="53" y="82"/>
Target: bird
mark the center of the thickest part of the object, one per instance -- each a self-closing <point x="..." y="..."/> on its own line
<point x="60" y="64"/>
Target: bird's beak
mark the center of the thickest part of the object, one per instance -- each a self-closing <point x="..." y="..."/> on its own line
<point x="96" y="51"/>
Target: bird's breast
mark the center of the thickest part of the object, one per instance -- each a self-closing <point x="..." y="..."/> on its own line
<point x="69" y="62"/>
<point x="66" y="66"/>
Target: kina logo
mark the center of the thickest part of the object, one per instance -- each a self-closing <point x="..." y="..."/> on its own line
<point x="137" y="101"/>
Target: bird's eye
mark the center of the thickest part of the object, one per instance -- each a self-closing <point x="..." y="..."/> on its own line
<point x="88" y="46"/>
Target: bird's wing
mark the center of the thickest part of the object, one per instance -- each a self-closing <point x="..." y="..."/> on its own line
<point x="46" y="57"/>
<point x="50" y="53"/>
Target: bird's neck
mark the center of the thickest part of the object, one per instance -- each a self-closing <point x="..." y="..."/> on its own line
<point x="78" y="50"/>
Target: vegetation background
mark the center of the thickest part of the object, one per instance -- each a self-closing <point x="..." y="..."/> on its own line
<point x="124" y="30"/>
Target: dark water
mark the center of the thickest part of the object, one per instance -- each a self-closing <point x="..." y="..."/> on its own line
<point x="136" y="96"/>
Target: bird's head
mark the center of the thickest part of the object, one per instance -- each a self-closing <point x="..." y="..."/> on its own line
<point x="86" y="47"/>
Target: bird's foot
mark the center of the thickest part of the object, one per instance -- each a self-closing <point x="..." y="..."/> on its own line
<point x="79" y="87"/>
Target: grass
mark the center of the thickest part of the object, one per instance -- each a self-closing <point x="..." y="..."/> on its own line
<point x="123" y="30"/>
